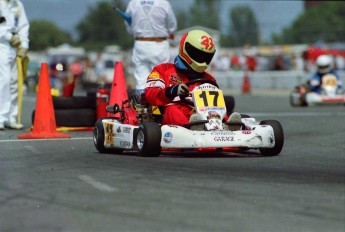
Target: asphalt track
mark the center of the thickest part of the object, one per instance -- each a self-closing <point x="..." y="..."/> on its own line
<point x="66" y="185"/>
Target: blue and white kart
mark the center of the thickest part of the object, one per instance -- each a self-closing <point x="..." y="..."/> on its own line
<point x="150" y="138"/>
<point x="330" y="93"/>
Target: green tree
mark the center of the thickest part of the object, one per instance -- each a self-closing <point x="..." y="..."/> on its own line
<point x="204" y="13"/>
<point x="45" y="34"/>
<point x="244" y="27"/>
<point x="182" y="20"/>
<point x="323" y="22"/>
<point x="103" y="26"/>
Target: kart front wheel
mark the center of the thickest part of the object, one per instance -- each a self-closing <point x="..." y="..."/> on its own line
<point x="98" y="139"/>
<point x="148" y="139"/>
<point x="278" y="138"/>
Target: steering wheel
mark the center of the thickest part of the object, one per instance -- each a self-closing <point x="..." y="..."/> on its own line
<point x="201" y="81"/>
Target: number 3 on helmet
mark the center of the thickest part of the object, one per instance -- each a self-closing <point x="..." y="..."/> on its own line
<point x="197" y="49"/>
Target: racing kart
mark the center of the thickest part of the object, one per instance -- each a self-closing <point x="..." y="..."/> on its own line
<point x="330" y="95"/>
<point x="138" y="128"/>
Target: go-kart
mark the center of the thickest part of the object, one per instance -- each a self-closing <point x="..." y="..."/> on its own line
<point x="138" y="128"/>
<point x="303" y="96"/>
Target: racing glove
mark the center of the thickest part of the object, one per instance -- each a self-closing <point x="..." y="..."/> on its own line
<point x="176" y="90"/>
<point x="15" y="41"/>
<point x="22" y="52"/>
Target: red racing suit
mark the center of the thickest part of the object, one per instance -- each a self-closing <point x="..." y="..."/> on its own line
<point x="162" y="77"/>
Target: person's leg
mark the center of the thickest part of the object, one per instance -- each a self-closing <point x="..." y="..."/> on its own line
<point x="175" y="115"/>
<point x="5" y="95"/>
<point x="142" y="67"/>
<point x="160" y="53"/>
<point x="13" y="116"/>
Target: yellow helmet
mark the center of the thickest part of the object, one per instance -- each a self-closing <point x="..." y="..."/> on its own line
<point x="197" y="49"/>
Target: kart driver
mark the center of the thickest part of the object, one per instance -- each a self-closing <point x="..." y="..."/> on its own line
<point x="324" y="67"/>
<point x="166" y="82"/>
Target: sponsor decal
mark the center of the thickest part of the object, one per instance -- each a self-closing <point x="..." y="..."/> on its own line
<point x="222" y="133"/>
<point x="167" y="138"/>
<point x="109" y="133"/>
<point x="125" y="144"/>
<point x="246" y="132"/>
<point x="213" y="115"/>
<point x="175" y="78"/>
<point x="127" y="130"/>
<point x="223" y="138"/>
<point x="154" y="75"/>
<point x="205" y="87"/>
<point x="172" y="126"/>
<point x="214" y="108"/>
<point x="157" y="83"/>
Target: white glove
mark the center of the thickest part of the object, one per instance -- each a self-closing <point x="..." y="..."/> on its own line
<point x="177" y="90"/>
<point x="15" y="41"/>
<point x="22" y="52"/>
<point x="182" y="90"/>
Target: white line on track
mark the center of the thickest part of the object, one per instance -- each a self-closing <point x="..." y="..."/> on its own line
<point x="96" y="184"/>
<point x="33" y="140"/>
<point x="296" y="114"/>
<point x="252" y="114"/>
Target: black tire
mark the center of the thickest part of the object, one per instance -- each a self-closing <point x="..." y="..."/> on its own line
<point x="73" y="118"/>
<point x="148" y="139"/>
<point x="75" y="102"/>
<point x="229" y="103"/>
<point x="278" y="137"/>
<point x="300" y="102"/>
<point x="98" y="139"/>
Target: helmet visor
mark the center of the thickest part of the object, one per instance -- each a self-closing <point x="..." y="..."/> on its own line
<point x="198" y="55"/>
<point x="323" y="66"/>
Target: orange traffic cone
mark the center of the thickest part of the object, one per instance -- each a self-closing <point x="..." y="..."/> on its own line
<point x="118" y="92"/>
<point x="246" y="87"/>
<point x="44" y="122"/>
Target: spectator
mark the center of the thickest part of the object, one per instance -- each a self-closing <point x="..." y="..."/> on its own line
<point x="100" y="68"/>
<point x="223" y="63"/>
<point x="76" y="72"/>
<point x="14" y="41"/>
<point x="278" y="63"/>
<point x="235" y="62"/>
<point x="339" y="62"/>
<point x="262" y="62"/>
<point x="88" y="69"/>
<point x="151" y="23"/>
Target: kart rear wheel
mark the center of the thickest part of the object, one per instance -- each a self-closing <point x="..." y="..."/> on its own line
<point x="98" y="139"/>
<point x="148" y="139"/>
<point x="229" y="103"/>
<point x="278" y="137"/>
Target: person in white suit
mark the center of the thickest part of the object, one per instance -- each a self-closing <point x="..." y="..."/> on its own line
<point x="152" y="23"/>
<point x="14" y="41"/>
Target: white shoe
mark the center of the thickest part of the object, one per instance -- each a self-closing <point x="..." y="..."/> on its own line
<point x="15" y="126"/>
<point x="235" y="118"/>
<point x="195" y="118"/>
<point x="2" y="126"/>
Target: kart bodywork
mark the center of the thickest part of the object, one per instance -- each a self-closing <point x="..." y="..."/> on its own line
<point x="139" y="129"/>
